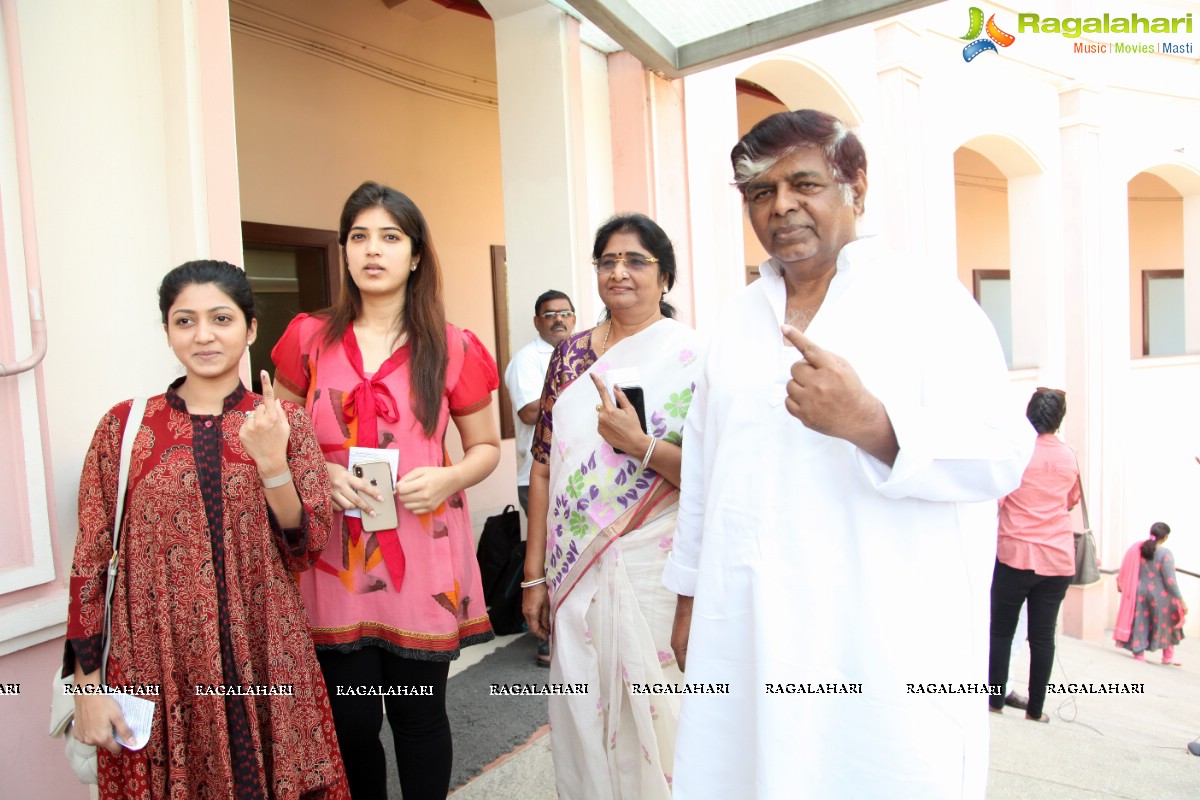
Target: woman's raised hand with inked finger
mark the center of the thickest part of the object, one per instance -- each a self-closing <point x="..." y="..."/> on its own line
<point x="265" y="433"/>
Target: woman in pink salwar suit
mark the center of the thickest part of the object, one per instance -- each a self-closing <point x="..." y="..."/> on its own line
<point x="1152" y="607"/>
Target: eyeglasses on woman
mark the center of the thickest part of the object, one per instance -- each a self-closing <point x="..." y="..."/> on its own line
<point x="634" y="262"/>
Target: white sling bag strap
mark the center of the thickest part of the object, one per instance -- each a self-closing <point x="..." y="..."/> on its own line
<point x="132" y="425"/>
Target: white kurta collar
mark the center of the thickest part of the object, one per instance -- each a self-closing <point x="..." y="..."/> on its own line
<point x="852" y="258"/>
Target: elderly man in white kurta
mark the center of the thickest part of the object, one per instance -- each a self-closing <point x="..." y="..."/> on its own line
<point x="837" y="525"/>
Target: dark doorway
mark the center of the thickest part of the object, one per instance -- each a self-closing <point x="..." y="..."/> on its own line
<point x="291" y="270"/>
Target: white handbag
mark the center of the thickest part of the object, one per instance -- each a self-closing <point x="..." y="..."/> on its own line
<point x="82" y="757"/>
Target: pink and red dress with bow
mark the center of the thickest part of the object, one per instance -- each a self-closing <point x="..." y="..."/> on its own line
<point x="415" y="591"/>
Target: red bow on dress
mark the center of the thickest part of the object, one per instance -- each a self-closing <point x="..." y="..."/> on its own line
<point x="370" y="401"/>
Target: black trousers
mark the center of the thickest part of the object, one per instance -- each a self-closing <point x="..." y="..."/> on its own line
<point x="1010" y="588"/>
<point x="420" y="727"/>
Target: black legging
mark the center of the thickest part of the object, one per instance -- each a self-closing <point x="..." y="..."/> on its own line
<point x="420" y="727"/>
<point x="1010" y="588"/>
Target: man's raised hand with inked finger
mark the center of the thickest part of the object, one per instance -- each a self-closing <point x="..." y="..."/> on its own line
<point x="825" y="393"/>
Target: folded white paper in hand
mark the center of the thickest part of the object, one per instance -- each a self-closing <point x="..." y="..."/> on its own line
<point x="139" y="716"/>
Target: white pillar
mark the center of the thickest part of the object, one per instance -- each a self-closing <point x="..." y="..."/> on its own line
<point x="1037" y="281"/>
<point x="196" y="68"/>
<point x="900" y="167"/>
<point x="544" y="155"/>
<point x="715" y="206"/>
<point x="1191" y="272"/>
<point x="1096" y="275"/>
<point x="650" y="161"/>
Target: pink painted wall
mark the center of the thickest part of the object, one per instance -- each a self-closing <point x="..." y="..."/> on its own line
<point x="174" y="169"/>
<point x="629" y="90"/>
<point x="33" y="766"/>
<point x="28" y="551"/>
<point x="30" y="767"/>
<point x="650" y="162"/>
<point x="15" y="545"/>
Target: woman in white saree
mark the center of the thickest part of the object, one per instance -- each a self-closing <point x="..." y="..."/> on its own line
<point x="603" y="495"/>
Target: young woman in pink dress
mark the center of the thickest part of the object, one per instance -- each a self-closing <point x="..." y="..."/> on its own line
<point x="390" y="609"/>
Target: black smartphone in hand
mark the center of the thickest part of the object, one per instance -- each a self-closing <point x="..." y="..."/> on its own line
<point x="636" y="398"/>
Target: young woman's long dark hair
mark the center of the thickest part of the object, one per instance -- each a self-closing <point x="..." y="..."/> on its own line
<point x="424" y="314"/>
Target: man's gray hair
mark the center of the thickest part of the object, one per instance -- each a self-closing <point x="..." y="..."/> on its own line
<point x="781" y="135"/>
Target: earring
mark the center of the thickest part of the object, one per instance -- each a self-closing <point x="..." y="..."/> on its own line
<point x="414" y="267"/>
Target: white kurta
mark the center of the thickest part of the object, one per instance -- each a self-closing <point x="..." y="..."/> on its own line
<point x="814" y="564"/>
<point x="525" y="378"/>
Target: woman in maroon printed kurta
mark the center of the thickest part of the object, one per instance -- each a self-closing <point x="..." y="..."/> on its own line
<point x="228" y="495"/>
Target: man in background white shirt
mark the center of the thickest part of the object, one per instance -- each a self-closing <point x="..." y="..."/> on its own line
<point x="554" y="318"/>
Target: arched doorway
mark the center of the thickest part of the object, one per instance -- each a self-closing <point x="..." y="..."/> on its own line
<point x="996" y="180"/>
<point x="1158" y="245"/>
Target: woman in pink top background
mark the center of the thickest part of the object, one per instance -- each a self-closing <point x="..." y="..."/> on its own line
<point x="1035" y="553"/>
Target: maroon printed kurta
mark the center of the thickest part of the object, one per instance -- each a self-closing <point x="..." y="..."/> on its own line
<point x="205" y="600"/>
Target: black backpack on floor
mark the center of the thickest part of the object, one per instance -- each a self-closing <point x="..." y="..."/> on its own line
<point x="501" y="555"/>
